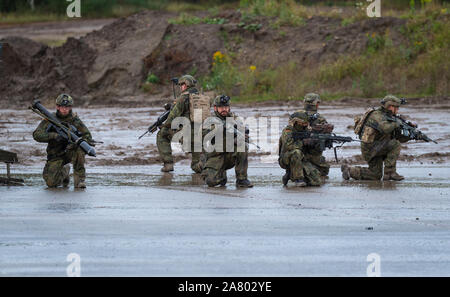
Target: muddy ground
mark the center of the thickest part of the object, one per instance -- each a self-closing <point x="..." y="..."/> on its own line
<point x="119" y="129"/>
<point x="134" y="221"/>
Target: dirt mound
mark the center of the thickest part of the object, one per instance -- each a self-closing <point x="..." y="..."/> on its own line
<point x="30" y="69"/>
<point x="110" y="64"/>
<point x="103" y="64"/>
<point x="121" y="48"/>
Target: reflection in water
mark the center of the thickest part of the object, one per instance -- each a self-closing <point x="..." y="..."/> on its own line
<point x="389" y="185"/>
<point x="372" y="184"/>
<point x="58" y="189"/>
<point x="197" y="179"/>
<point x="65" y="207"/>
<point x="383" y="185"/>
<point x="65" y="194"/>
<point x="166" y="179"/>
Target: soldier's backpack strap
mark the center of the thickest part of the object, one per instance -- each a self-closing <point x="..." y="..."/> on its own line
<point x="360" y="121"/>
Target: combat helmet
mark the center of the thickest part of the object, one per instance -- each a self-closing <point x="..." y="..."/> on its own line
<point x="64" y="100"/>
<point x="222" y="100"/>
<point x="299" y="117"/>
<point x="187" y="79"/>
<point x="310" y="101"/>
<point x="391" y="100"/>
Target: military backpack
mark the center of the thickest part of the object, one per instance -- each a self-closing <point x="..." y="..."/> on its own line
<point x="201" y="103"/>
<point x="360" y="121"/>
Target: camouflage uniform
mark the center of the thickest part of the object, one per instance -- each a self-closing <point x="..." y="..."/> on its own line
<point x="165" y="134"/>
<point x="378" y="145"/>
<point x="60" y="152"/>
<point x="292" y="155"/>
<point x="320" y="125"/>
<point x="217" y="163"/>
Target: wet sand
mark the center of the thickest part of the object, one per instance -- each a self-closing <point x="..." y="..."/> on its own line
<point x="119" y="129"/>
<point x="134" y="221"/>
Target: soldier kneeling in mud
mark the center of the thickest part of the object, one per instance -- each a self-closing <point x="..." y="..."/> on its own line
<point x="319" y="125"/>
<point x="218" y="162"/>
<point x="379" y="143"/>
<point x="293" y="151"/>
<point x="59" y="152"/>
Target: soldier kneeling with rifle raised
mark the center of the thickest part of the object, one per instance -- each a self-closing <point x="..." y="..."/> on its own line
<point x="291" y="152"/>
<point x="68" y="141"/>
<point x="381" y="132"/>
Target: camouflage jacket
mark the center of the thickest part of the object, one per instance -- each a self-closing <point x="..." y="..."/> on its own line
<point x="287" y="143"/>
<point x="378" y="126"/>
<point x="224" y="135"/>
<point x="181" y="107"/>
<point x="58" y="148"/>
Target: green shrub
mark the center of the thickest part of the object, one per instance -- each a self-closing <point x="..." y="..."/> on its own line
<point x="152" y="78"/>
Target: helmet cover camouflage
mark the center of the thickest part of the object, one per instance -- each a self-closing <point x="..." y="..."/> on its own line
<point x="64" y="100"/>
<point x="391" y="100"/>
<point x="311" y="99"/>
<point x="187" y="79"/>
<point x="222" y="100"/>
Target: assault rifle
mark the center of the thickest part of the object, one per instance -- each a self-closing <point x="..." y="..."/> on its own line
<point x="324" y="140"/>
<point x="233" y="129"/>
<point x="409" y="130"/>
<point x="161" y="119"/>
<point x="69" y="132"/>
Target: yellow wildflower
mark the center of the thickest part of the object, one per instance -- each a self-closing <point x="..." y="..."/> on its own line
<point x="252" y="68"/>
<point x="218" y="57"/>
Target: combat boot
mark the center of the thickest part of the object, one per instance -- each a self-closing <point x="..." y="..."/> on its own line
<point x="300" y="183"/>
<point x="243" y="183"/>
<point x="167" y="167"/>
<point x="345" y="171"/>
<point x="78" y="182"/>
<point x="391" y="174"/>
<point x="223" y="182"/>
<point x="286" y="177"/>
<point x="66" y="175"/>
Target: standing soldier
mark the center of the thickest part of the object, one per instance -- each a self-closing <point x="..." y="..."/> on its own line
<point x="217" y="163"/>
<point x="183" y="108"/>
<point x="59" y="152"/>
<point x="319" y="125"/>
<point x="292" y="155"/>
<point x="379" y="144"/>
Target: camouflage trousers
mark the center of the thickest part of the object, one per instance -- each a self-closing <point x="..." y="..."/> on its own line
<point x="163" y="141"/>
<point x="387" y="154"/>
<point x="316" y="159"/>
<point x="217" y="164"/>
<point x="300" y="168"/>
<point x="53" y="170"/>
